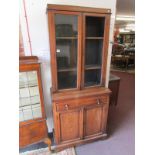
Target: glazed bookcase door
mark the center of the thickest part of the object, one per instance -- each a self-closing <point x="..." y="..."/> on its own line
<point x="66" y="44"/>
<point x="94" y="27"/>
<point x="29" y="96"/>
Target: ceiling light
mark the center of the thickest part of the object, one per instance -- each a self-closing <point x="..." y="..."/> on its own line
<point x="125" y="18"/>
<point x="124" y="30"/>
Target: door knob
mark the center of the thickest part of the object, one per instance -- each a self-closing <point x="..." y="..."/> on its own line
<point x="66" y="106"/>
<point x="98" y="101"/>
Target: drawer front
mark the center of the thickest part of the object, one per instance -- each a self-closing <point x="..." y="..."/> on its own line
<point x="32" y="133"/>
<point x="79" y="103"/>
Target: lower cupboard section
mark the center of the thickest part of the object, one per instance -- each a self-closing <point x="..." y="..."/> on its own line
<point x="80" y="123"/>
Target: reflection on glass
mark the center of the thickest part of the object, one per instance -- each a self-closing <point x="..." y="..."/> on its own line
<point x="66" y="50"/>
<point x="66" y="53"/>
<point x="29" y="98"/>
<point x="66" y="25"/>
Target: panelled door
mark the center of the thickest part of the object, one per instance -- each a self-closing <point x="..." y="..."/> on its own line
<point x="69" y="125"/>
<point x="95" y="117"/>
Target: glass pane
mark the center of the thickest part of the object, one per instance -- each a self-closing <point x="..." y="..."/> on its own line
<point x="95" y="26"/>
<point x="67" y="79"/>
<point x="24" y="101"/>
<point x="29" y="97"/>
<point x="36" y="111"/>
<point x="35" y="99"/>
<point x="92" y="77"/>
<point x="32" y="78"/>
<point x="34" y="91"/>
<point x="21" y="117"/>
<point x="66" y="53"/>
<point x="22" y="79"/>
<point x="66" y="25"/>
<point x="27" y="112"/>
<point x="66" y="50"/>
<point x="93" y="50"/>
<point x="24" y="92"/>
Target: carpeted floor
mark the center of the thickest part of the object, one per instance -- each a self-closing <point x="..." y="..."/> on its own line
<point x="130" y="69"/>
<point x="121" y="123"/>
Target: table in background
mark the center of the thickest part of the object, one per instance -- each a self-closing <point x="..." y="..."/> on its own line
<point x="114" y="83"/>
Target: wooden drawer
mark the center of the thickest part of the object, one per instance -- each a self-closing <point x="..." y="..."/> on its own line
<point x="32" y="133"/>
<point x="79" y="103"/>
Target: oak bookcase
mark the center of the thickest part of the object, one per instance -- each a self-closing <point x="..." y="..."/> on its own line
<point x="79" y="40"/>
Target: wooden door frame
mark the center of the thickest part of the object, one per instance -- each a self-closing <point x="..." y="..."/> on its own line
<point x="104" y="49"/>
<point x="52" y="38"/>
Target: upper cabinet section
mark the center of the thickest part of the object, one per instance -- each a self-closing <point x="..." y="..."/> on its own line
<point x="79" y="46"/>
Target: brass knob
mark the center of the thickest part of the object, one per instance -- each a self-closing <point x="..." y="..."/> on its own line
<point x="98" y="101"/>
<point x="66" y="106"/>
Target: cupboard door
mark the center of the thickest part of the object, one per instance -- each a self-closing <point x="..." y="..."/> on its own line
<point x="67" y="47"/>
<point x="69" y="125"/>
<point x="93" y="49"/>
<point x="95" y="118"/>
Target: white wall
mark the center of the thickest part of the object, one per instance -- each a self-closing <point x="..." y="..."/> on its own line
<point x="38" y="26"/>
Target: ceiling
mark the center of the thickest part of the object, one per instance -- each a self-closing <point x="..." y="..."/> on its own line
<point x="125" y="8"/>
